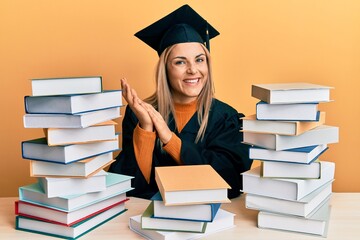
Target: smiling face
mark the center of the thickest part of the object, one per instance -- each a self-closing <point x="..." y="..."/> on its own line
<point x="187" y="71"/>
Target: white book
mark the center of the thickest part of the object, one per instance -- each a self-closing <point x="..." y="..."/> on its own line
<point x="67" y="218"/>
<point x="303" y="155"/>
<point x="98" y="132"/>
<point x="316" y="224"/>
<point x="68" y="232"/>
<point x="287" y="112"/>
<point x="323" y="134"/>
<point x="223" y="220"/>
<point x="71" y="104"/>
<point x="67" y="85"/>
<point x="148" y="221"/>
<point x="83" y="168"/>
<point x="302" y="207"/>
<point x="116" y="184"/>
<point x="251" y="124"/>
<point x="80" y="120"/>
<point x="295" y="92"/>
<point x="56" y="187"/>
<point x="284" y="188"/>
<point x="38" y="149"/>
<point x="273" y="169"/>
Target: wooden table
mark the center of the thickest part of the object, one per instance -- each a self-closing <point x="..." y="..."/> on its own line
<point x="344" y="222"/>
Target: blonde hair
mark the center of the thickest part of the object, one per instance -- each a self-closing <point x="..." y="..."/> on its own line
<point x="162" y="100"/>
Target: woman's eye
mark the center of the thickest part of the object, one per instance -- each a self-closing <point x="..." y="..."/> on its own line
<point x="200" y="60"/>
<point x="179" y="62"/>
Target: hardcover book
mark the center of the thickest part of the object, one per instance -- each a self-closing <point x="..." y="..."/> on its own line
<point x="291" y="93"/>
<point x="251" y="124"/>
<point x="66" y="85"/>
<point x="181" y="185"/>
<point x="274" y="169"/>
<point x="283" y="188"/>
<point x="80" y="120"/>
<point x="71" y="104"/>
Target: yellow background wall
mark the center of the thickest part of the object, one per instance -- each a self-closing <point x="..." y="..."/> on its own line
<point x="261" y="41"/>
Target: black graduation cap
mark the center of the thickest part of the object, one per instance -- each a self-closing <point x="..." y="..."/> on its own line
<point x="182" y="25"/>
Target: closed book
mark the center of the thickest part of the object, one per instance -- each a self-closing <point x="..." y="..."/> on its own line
<point x="295" y="92"/>
<point x="98" y="132"/>
<point x="66" y="85"/>
<point x="46" y="214"/>
<point x="197" y="212"/>
<point x="182" y="185"/>
<point x="69" y="232"/>
<point x="323" y="134"/>
<point x="273" y="169"/>
<point x="56" y="187"/>
<point x="37" y="149"/>
<point x="148" y="221"/>
<point x="302" y="207"/>
<point x="223" y="220"/>
<point x="251" y="124"/>
<point x="71" y="104"/>
<point x="303" y="155"/>
<point x="116" y="184"/>
<point x="287" y="112"/>
<point x="81" y="169"/>
<point x="284" y="188"/>
<point x="316" y="224"/>
<point x="79" y="120"/>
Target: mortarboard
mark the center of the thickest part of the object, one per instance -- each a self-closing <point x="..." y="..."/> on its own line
<point x="181" y="25"/>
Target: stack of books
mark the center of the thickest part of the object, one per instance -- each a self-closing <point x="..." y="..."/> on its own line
<point x="73" y="193"/>
<point x="292" y="187"/>
<point x="187" y="205"/>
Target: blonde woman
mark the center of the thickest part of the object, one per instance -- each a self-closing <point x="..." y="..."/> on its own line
<point x="182" y="122"/>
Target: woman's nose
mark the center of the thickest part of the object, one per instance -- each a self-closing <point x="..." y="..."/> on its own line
<point x="192" y="69"/>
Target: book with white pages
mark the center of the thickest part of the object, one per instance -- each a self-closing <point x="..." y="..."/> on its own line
<point x="251" y="124"/>
<point x="303" y="155"/>
<point x="272" y="169"/>
<point x="302" y="207"/>
<point x="323" y="134"/>
<point x="80" y="169"/>
<point x="80" y="120"/>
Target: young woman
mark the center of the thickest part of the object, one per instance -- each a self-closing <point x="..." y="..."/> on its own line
<point x="181" y="123"/>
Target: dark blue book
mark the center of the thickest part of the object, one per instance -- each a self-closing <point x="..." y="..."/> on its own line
<point x="196" y="212"/>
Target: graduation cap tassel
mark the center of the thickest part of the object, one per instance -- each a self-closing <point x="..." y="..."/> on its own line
<point x="207" y="37"/>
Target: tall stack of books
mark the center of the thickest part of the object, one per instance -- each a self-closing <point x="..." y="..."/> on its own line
<point x="73" y="194"/>
<point x="292" y="187"/>
<point x="187" y="205"/>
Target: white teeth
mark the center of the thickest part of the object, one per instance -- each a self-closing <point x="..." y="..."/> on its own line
<point x="192" y="81"/>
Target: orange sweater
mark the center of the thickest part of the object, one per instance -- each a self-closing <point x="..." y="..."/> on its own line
<point x="144" y="141"/>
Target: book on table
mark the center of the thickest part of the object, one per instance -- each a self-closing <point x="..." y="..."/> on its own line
<point x="303" y="155"/>
<point x="66" y="85"/>
<point x="47" y="214"/>
<point x="80" y="169"/>
<point x="71" y="104"/>
<point x="251" y="124"/>
<point x="98" y="132"/>
<point x="37" y="149"/>
<point x="315" y="224"/>
<point x="222" y="221"/>
<point x="296" y="92"/>
<point x="302" y="207"/>
<point x="182" y="185"/>
<point x="323" y="134"/>
<point x="196" y="212"/>
<point x="55" y="186"/>
<point x="273" y="169"/>
<point x="69" y="232"/>
<point x="284" y="188"/>
<point x="148" y="221"/>
<point x="287" y="112"/>
<point x="116" y="184"/>
<point x="80" y="120"/>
